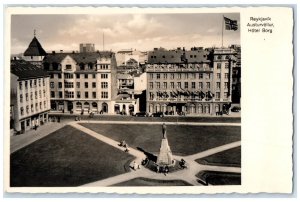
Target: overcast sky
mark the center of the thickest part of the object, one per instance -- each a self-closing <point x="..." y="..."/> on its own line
<point x="122" y="31"/>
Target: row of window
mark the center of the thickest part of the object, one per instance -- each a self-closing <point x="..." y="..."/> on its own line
<point x="71" y="85"/>
<point x="191" y="109"/>
<point x="36" y="95"/>
<point x="186" y="85"/>
<point x="172" y="56"/>
<point x="89" y="66"/>
<point x="38" y="106"/>
<point x="219" y="57"/>
<point x="69" y="94"/>
<point x="78" y="76"/>
<point x="219" y="65"/>
<point x="186" y="75"/>
<point x="32" y="83"/>
<point x="217" y="96"/>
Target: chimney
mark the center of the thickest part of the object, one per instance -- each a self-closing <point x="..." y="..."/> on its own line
<point x="53" y="52"/>
<point x="61" y="51"/>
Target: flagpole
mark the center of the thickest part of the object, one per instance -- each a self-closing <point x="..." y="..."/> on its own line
<point x="222" y="29"/>
<point x="103" y="40"/>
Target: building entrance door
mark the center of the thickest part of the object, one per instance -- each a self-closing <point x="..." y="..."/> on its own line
<point x="22" y="125"/>
<point x="104" y="108"/>
<point x="178" y="108"/>
<point x="70" y="106"/>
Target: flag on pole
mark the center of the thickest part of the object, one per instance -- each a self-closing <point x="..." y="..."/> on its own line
<point x="230" y="24"/>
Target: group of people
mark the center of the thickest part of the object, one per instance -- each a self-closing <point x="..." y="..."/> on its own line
<point x="162" y="169"/>
<point x="124" y="144"/>
<point x="182" y="164"/>
<point x="135" y="166"/>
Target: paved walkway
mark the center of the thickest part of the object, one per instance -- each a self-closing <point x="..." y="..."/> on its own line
<point x="214" y="150"/>
<point x="138" y="154"/>
<point x="19" y="141"/>
<point x="188" y="175"/>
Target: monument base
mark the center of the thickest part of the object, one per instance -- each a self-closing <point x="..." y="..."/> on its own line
<point x="165" y="157"/>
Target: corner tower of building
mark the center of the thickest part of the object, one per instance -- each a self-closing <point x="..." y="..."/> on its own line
<point x="35" y="52"/>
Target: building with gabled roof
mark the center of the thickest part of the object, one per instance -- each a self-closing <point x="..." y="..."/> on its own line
<point x="82" y="82"/>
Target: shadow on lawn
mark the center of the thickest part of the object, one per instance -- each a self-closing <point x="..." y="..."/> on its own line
<point x="150" y="156"/>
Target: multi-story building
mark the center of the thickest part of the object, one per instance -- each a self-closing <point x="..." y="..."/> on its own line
<point x="236" y="76"/>
<point x="123" y="56"/>
<point x="191" y="82"/>
<point x="82" y="82"/>
<point x="86" y="47"/>
<point x="30" y="99"/>
<point x="125" y="81"/>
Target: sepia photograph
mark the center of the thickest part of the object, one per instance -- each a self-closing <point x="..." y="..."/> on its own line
<point x="134" y="99"/>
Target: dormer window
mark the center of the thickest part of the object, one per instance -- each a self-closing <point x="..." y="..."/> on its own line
<point x="55" y="66"/>
<point x="68" y="67"/>
<point x="81" y="65"/>
<point x="90" y="65"/>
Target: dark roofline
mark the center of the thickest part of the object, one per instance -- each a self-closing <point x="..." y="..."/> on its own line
<point x="25" y="70"/>
<point x="35" y="48"/>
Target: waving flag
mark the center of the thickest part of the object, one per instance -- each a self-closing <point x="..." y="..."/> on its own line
<point x="230" y="24"/>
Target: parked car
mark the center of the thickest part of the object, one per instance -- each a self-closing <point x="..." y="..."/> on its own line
<point x="141" y="114"/>
<point x="158" y="114"/>
<point x="236" y="109"/>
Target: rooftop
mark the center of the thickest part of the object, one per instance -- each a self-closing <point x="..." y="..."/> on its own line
<point x="26" y="70"/>
<point x="124" y="76"/>
<point x="195" y="55"/>
<point x="35" y="49"/>
<point x="83" y="57"/>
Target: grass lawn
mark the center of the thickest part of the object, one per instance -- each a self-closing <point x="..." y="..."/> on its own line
<point x="220" y="178"/>
<point x="231" y="157"/>
<point x="151" y="182"/>
<point x="67" y="157"/>
<point x="183" y="139"/>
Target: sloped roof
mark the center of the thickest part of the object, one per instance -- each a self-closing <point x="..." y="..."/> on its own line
<point x="177" y="56"/>
<point x="124" y="76"/>
<point x="122" y="96"/>
<point x="26" y="70"/>
<point x="86" y="57"/>
<point x="131" y="60"/>
<point x="35" y="49"/>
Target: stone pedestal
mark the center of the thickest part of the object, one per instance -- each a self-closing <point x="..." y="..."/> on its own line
<point x="165" y="155"/>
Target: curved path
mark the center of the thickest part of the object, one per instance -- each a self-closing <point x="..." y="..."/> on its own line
<point x="188" y="175"/>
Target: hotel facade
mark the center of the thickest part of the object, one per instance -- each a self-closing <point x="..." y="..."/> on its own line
<point x="195" y="81"/>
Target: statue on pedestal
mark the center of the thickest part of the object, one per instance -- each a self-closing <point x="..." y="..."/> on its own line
<point x="165" y="157"/>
